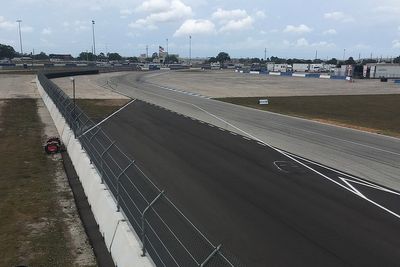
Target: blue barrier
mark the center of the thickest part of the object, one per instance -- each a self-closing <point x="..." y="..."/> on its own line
<point x="286" y="73"/>
<point x="312" y="75"/>
<point x="333" y="77"/>
<point x="396" y="81"/>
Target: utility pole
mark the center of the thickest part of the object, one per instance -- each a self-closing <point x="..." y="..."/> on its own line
<point x="20" y="37"/>
<point x="344" y="54"/>
<point x="94" y="41"/>
<point x="147" y="51"/>
<point x="190" y="50"/>
<point x="265" y="54"/>
<point x="316" y="54"/>
<point x="167" y="47"/>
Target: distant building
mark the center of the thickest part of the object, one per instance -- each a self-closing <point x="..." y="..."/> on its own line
<point x="60" y="57"/>
<point x="379" y="70"/>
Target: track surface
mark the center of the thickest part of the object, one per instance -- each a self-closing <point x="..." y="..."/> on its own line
<point x="370" y="156"/>
<point x="261" y="205"/>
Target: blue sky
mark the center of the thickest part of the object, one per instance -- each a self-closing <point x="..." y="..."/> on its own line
<point x="241" y="28"/>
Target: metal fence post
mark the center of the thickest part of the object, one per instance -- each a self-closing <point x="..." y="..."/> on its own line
<point x="75" y="123"/>
<point x="207" y="260"/>
<point x="118" y="177"/>
<point x="102" y="161"/>
<point x="143" y="222"/>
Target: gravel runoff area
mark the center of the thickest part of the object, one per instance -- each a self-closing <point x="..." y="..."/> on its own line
<point x="232" y="84"/>
<point x="18" y="86"/>
<point x="50" y="233"/>
<point x="89" y="86"/>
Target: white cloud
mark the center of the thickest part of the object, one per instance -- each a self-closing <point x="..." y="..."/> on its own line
<point x="154" y="6"/>
<point x="298" y="29"/>
<point x="301" y="42"/>
<point x="338" y="16"/>
<point x="238" y="25"/>
<point x="261" y="14"/>
<point x="161" y="11"/>
<point x="233" y="20"/>
<point x="330" y="32"/>
<point x="47" y="31"/>
<point x="192" y="26"/>
<point x="7" y="25"/>
<point x="396" y="43"/>
<point x="124" y="13"/>
<point x="225" y="16"/>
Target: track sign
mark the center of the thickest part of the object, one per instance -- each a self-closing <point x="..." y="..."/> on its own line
<point x="263" y="101"/>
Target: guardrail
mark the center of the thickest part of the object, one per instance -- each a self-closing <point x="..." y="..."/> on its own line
<point x="167" y="235"/>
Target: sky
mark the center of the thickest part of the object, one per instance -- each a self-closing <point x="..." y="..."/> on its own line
<point x="288" y="29"/>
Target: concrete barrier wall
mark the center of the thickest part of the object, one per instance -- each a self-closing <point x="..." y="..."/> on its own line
<point x="120" y="239"/>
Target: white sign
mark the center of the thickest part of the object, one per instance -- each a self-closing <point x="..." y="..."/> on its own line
<point x="263" y="101"/>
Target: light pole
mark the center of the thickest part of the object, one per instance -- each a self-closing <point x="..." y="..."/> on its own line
<point x="344" y="54"/>
<point x="190" y="50"/>
<point x="73" y="91"/>
<point x="20" y="37"/>
<point x="94" y="41"/>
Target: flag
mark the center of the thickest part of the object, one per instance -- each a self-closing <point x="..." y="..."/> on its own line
<point x="160" y="49"/>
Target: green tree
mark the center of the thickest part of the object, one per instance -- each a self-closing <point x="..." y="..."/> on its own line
<point x="41" y="56"/>
<point x="171" y="59"/>
<point x="7" y="51"/>
<point x="86" y="56"/>
<point x="114" y="56"/>
<point x="222" y="57"/>
<point x="350" y="61"/>
<point x="255" y="60"/>
<point x="212" y="60"/>
<point x="133" y="59"/>
<point x="396" y="60"/>
<point x="332" y="61"/>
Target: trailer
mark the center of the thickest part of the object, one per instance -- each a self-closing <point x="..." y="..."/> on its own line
<point x="301" y="67"/>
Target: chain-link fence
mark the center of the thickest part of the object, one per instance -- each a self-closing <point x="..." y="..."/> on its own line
<point x="166" y="233"/>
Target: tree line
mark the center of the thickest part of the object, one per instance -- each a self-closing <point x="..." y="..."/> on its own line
<point x="7" y="51"/>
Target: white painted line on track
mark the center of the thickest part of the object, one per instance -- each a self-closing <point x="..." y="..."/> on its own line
<point x="232" y="133"/>
<point x="244" y="137"/>
<point x="108" y="117"/>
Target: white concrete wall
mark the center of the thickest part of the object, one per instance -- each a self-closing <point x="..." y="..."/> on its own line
<point x="125" y="248"/>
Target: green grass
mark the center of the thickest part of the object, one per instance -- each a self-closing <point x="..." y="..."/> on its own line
<point x="97" y="109"/>
<point x="32" y="230"/>
<point x="375" y="113"/>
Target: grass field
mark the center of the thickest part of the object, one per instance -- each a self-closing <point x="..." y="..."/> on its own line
<point x="374" y="113"/>
<point x="97" y="109"/>
<point x="32" y="230"/>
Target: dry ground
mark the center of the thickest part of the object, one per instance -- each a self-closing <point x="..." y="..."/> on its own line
<point x="39" y="225"/>
<point x="232" y="84"/>
<point x="18" y="86"/>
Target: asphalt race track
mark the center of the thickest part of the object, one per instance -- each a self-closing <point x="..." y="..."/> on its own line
<point x="267" y="207"/>
<point x="370" y="156"/>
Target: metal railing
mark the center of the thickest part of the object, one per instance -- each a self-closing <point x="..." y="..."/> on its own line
<point x="167" y="235"/>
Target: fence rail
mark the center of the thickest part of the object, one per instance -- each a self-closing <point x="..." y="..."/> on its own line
<point x="167" y="235"/>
